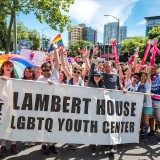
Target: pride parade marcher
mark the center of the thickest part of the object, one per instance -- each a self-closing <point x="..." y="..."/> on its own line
<point x="144" y="86"/>
<point x="6" y="71"/>
<point x="155" y="89"/>
<point x="50" y="74"/>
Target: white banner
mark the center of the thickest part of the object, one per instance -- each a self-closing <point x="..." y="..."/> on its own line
<point x="39" y="112"/>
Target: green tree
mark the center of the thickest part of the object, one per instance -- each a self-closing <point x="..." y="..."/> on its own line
<point x="35" y="39"/>
<point x="3" y="34"/>
<point x="74" y="46"/>
<point x="132" y="43"/>
<point x="49" y="11"/>
<point x="23" y="33"/>
<point x="155" y="33"/>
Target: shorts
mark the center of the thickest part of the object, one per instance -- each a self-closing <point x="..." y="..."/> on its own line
<point x="147" y="110"/>
<point x="156" y="109"/>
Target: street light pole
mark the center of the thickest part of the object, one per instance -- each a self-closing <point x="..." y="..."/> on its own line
<point x="117" y="26"/>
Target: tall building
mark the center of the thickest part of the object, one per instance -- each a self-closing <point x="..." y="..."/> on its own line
<point x="75" y="34"/>
<point x="122" y="33"/>
<point x="110" y="32"/>
<point x="82" y="32"/>
<point x="152" y="22"/>
<point x="89" y="34"/>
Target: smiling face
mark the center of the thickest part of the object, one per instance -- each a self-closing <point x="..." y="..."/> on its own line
<point x="143" y="78"/>
<point x="97" y="78"/>
<point x="28" y="73"/>
<point x="46" y="72"/>
<point x="7" y="68"/>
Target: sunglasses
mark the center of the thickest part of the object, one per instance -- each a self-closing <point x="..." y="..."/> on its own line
<point x="136" y="77"/>
<point x="46" y="70"/>
<point x="76" y="72"/>
<point x="97" y="76"/>
<point x="29" y="71"/>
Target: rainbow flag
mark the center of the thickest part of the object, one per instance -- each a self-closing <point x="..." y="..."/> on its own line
<point x="58" y="40"/>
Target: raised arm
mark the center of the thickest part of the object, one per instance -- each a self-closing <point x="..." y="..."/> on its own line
<point x="65" y="69"/>
<point x="120" y="73"/>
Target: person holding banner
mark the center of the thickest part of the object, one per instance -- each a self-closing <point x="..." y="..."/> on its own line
<point x="29" y="74"/>
<point x="7" y="71"/>
<point x="144" y="86"/>
<point x="50" y="74"/>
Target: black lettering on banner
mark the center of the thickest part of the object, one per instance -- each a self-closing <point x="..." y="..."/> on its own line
<point x="27" y="102"/>
<point x="126" y="111"/>
<point x="117" y="127"/>
<point x="1" y="109"/>
<point x="122" y="126"/>
<point x="133" y="109"/>
<point x="131" y="126"/>
<point x="100" y="107"/>
<point x="55" y="106"/>
<point x="119" y="108"/>
<point x="126" y="127"/>
<point x="86" y="105"/>
<point x="69" y="124"/>
<point x="41" y="104"/>
<point x="60" y="121"/>
<point x="12" y="122"/>
<point x="15" y="101"/>
<point x="76" y="105"/>
<point x="110" y="107"/>
<point x="77" y="125"/>
<point x="49" y="124"/>
<point x="65" y="104"/>
<point x="112" y="127"/>
<point x="85" y="125"/>
<point x="94" y="125"/>
<point x="31" y="123"/>
<point x="105" y="127"/>
<point x="40" y="119"/>
<point x="21" y="122"/>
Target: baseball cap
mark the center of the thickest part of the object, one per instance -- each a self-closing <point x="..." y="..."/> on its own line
<point x="97" y="73"/>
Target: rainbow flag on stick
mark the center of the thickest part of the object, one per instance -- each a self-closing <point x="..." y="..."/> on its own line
<point x="57" y="40"/>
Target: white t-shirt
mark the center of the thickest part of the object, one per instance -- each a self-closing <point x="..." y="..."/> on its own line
<point x="54" y="76"/>
<point x="130" y="87"/>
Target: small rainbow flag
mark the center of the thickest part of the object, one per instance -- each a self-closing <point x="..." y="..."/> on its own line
<point x="57" y="40"/>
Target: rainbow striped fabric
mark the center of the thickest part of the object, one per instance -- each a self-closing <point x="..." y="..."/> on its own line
<point x="57" y="40"/>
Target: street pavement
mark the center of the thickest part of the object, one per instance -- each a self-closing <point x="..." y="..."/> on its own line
<point x="149" y="150"/>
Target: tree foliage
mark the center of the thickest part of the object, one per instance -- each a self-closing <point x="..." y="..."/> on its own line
<point x="49" y="11"/>
<point x="23" y="33"/>
<point x="132" y="43"/>
<point x="74" y="46"/>
<point x="3" y="35"/>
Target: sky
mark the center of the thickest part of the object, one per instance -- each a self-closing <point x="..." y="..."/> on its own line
<point x="130" y="13"/>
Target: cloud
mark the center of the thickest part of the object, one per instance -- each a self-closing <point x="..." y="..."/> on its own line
<point x="142" y="22"/>
<point x="84" y="11"/>
<point x="92" y="12"/>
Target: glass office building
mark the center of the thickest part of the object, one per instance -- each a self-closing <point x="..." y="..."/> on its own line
<point x="152" y="22"/>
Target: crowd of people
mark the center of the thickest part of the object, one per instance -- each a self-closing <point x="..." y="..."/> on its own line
<point x="92" y="73"/>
